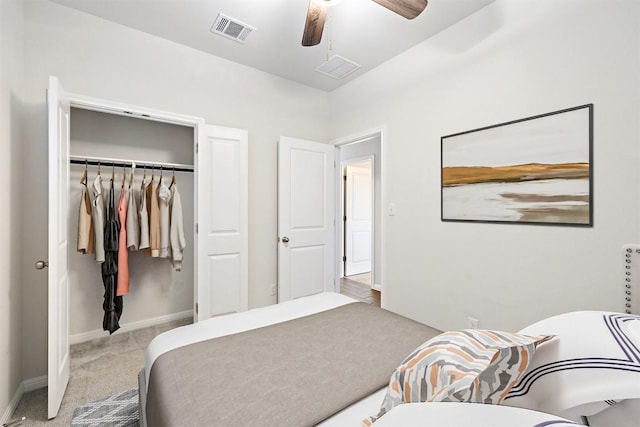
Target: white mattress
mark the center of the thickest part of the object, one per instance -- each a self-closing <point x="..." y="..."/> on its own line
<point x="257" y="318"/>
<point x="456" y="414"/>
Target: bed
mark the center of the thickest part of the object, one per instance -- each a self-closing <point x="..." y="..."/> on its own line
<point x="337" y="369"/>
<point x="334" y="372"/>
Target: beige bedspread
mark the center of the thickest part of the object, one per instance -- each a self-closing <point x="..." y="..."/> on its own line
<point x="294" y="373"/>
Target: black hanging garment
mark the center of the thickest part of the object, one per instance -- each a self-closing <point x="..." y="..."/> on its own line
<point x="112" y="304"/>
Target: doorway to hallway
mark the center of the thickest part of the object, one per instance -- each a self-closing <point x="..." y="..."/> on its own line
<point x="357" y="216"/>
<point x="359" y="213"/>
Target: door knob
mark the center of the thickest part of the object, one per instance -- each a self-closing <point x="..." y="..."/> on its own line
<point x="41" y="264"/>
<point x="285" y="239"/>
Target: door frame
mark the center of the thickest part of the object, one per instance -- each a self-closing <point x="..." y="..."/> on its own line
<point x="143" y="113"/>
<point x="110" y="107"/>
<point x="377" y="268"/>
<point x="343" y="243"/>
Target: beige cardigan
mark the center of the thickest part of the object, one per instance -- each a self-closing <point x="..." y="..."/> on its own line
<point x="154" y="220"/>
<point x="86" y="237"/>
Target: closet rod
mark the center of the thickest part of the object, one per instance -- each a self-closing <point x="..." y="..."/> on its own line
<point x="105" y="161"/>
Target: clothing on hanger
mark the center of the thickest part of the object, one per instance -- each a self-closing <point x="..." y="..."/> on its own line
<point x="98" y="217"/>
<point x="122" y="287"/>
<point x="164" y="197"/>
<point x="133" y="226"/>
<point x="112" y="304"/>
<point x="178" y="241"/>
<point x="154" y="219"/>
<point x="86" y="237"/>
<point x="143" y="216"/>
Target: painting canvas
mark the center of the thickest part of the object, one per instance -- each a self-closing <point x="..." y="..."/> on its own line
<point x="536" y="170"/>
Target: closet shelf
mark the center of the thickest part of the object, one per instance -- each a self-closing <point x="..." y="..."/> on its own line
<point x="108" y="161"/>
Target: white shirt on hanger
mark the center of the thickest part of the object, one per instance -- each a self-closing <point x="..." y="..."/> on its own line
<point x="133" y="229"/>
<point x="98" y="217"/>
<point x="178" y="241"/>
<point x="143" y="217"/>
<point x="164" y="196"/>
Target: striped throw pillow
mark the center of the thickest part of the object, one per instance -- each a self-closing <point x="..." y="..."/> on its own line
<point x="470" y="365"/>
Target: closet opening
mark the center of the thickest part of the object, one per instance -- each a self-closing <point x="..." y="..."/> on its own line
<point x="130" y="150"/>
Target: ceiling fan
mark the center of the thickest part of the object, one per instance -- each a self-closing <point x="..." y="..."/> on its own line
<point x="317" y="13"/>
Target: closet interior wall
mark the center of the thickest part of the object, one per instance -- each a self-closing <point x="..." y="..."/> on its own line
<point x="157" y="292"/>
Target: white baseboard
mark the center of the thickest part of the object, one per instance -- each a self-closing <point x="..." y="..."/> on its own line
<point x="127" y="327"/>
<point x="13" y="404"/>
<point x="24" y="387"/>
<point x="34" y="383"/>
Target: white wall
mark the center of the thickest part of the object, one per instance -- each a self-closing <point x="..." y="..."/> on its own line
<point x="100" y="59"/>
<point x="11" y="69"/>
<point x="513" y="59"/>
<point x="156" y="290"/>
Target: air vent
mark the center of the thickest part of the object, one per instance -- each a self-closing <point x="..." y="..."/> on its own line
<point x="231" y="28"/>
<point x="337" y="67"/>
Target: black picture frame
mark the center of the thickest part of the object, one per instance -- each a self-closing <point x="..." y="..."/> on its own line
<point x="536" y="170"/>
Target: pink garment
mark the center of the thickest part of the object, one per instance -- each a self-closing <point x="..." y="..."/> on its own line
<point x="123" y="256"/>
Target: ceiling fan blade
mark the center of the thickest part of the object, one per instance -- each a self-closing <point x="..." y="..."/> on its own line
<point x="406" y="8"/>
<point x="314" y="25"/>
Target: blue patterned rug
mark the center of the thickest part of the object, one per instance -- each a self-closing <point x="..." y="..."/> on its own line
<point x="118" y="410"/>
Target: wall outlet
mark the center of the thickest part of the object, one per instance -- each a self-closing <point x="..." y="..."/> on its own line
<point x="473" y="322"/>
<point x="272" y="289"/>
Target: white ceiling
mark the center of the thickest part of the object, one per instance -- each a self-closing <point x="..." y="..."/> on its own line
<point x="358" y="30"/>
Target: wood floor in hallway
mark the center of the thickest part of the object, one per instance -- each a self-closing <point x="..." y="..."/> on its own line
<point x="359" y="287"/>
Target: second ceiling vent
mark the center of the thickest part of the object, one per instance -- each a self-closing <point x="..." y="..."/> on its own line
<point x="231" y="28"/>
<point x="337" y="67"/>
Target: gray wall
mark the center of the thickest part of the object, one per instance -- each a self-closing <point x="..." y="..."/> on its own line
<point x="11" y="110"/>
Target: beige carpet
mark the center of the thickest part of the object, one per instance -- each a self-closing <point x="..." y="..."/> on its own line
<point x="99" y="368"/>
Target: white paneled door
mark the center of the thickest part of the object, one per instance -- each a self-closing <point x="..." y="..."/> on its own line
<point x="58" y="280"/>
<point x="359" y="208"/>
<point x="306" y="233"/>
<point x="222" y="224"/>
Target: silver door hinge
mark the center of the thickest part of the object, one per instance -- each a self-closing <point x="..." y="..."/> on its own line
<point x="196" y="308"/>
<point x="196" y="228"/>
<point x="197" y="148"/>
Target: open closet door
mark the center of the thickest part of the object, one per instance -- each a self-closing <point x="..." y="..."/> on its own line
<point x="306" y="233"/>
<point x="58" y="280"/>
<point x="222" y="221"/>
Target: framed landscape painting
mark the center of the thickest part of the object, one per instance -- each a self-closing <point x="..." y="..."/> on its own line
<point x="537" y="170"/>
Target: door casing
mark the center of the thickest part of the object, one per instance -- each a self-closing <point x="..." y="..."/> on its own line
<point x="142" y="113"/>
<point x="377" y="267"/>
